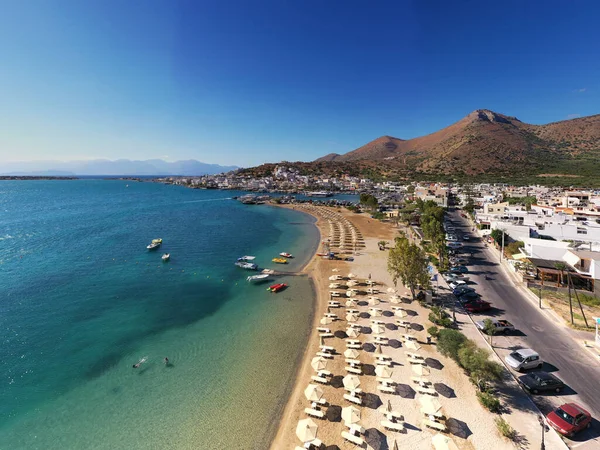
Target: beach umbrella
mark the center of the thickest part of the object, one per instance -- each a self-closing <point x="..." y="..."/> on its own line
<point x="383" y="371"/>
<point x="350" y="302"/>
<point x="430" y="405"/>
<point x="378" y="328"/>
<point x="326" y="320"/>
<point x="352" y="317"/>
<point x="375" y="439"/>
<point x="306" y="430"/>
<point x="319" y="363"/>
<point x="378" y="349"/>
<point x="420" y="370"/>
<point x="351" y="275"/>
<point x="350" y="293"/>
<point x="373" y="301"/>
<point x="441" y="442"/>
<point x="334" y="277"/>
<point x="352" y="283"/>
<point x="417" y="326"/>
<point x="350" y="415"/>
<point x="412" y="345"/>
<point x="313" y="392"/>
<point x="400" y="313"/>
<point x="334" y="285"/>
<point x="353" y="332"/>
<point x="351" y="382"/>
<point x="391" y="290"/>
<point x="434" y="363"/>
<point x="375" y="312"/>
<point x="458" y="428"/>
<point x="444" y="390"/>
<point x="351" y="353"/>
<point x="394" y="299"/>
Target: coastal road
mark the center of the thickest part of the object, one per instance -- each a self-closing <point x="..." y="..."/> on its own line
<point x="536" y="329"/>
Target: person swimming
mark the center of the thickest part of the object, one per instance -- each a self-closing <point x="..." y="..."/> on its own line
<point x="140" y="362"/>
<point x="166" y="360"/>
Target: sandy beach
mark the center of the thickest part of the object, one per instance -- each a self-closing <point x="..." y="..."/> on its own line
<point x="469" y="425"/>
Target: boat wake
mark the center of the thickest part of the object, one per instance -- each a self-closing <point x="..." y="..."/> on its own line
<point x="208" y="200"/>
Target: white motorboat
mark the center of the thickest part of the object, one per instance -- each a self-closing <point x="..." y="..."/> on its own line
<point x="166" y="257"/>
<point x="246" y="258"/>
<point x="258" y="278"/>
<point x="246" y="265"/>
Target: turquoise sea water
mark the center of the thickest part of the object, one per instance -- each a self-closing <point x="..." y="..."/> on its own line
<point x="81" y="300"/>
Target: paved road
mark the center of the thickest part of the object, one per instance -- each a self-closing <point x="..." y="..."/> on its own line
<point x="537" y="330"/>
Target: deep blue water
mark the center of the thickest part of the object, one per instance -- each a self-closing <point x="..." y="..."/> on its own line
<point x="82" y="299"/>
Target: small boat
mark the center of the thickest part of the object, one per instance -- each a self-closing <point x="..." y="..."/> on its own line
<point x="154" y="244"/>
<point x="166" y="257"/>
<point x="246" y="258"/>
<point x="279" y="260"/>
<point x="258" y="278"/>
<point x="246" y="265"/>
<point x="268" y="271"/>
<point x="286" y="255"/>
<point x="277" y="287"/>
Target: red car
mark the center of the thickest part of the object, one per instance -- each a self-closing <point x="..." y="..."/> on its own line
<point x="477" y="306"/>
<point x="569" y="419"/>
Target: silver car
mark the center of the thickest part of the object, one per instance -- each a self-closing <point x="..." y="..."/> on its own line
<point x="523" y="359"/>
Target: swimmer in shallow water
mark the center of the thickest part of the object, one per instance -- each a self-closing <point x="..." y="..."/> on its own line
<point x="140" y="362"/>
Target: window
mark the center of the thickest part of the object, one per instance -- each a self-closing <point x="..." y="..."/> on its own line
<point x="581" y="231"/>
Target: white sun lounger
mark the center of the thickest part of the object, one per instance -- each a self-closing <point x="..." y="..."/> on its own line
<point x="353" y="399"/>
<point x="355" y="370"/>
<point x="319" y="379"/>
<point x="383" y="362"/>
<point x="353" y="361"/>
<point x="314" y="413"/>
<point x="353" y="341"/>
<point x="387" y="381"/>
<point x="327" y="348"/>
<point x="438" y="415"/>
<point x="354" y="346"/>
<point x="417" y="361"/>
<point x="409" y="337"/>
<point x="354" y="439"/>
<point x="324" y="335"/>
<point x="385" y="388"/>
<point x="324" y="373"/>
<point x="325" y="355"/>
<point x="356" y="428"/>
<point x="323" y="330"/>
<point x="425" y="390"/>
<point x="395" y="426"/>
<point x="435" y="425"/>
<point x="414" y="355"/>
<point x="420" y="380"/>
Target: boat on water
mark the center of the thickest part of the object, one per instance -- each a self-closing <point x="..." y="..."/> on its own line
<point x="166" y="257"/>
<point x="280" y="260"/>
<point x="286" y="255"/>
<point x="246" y="258"/>
<point x="277" y="287"/>
<point x="258" y="278"/>
<point x="319" y="194"/>
<point x="154" y="244"/>
<point x="246" y="265"/>
<point x="268" y="271"/>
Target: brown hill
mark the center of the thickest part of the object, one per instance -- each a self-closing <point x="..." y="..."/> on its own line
<point x="484" y="142"/>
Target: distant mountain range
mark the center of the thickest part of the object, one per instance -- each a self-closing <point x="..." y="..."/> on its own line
<point x="111" y="168"/>
<point x="486" y="142"/>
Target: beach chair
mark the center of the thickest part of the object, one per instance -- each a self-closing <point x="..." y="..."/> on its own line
<point x="353" y="361"/>
<point x="386" y="388"/>
<point x="409" y="337"/>
<point x="425" y="390"/>
<point x="354" y="346"/>
<point x="325" y="355"/>
<point x="324" y="335"/>
<point x="353" y="399"/>
<point x="355" y="370"/>
<point x="386" y="381"/>
<point x="435" y="425"/>
<point x="324" y="373"/>
<point x="414" y="355"/>
<point x="354" y="439"/>
<point x="420" y="380"/>
<point x="438" y="415"/>
<point x="394" y="426"/>
<point x="327" y="348"/>
<point x="356" y="428"/>
<point x="315" y="413"/>
<point x="319" y="379"/>
<point x="353" y="341"/>
<point x="417" y="361"/>
<point x="383" y="362"/>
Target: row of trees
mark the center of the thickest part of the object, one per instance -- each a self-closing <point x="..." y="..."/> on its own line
<point x="369" y="201"/>
<point x="432" y="224"/>
<point x="408" y="263"/>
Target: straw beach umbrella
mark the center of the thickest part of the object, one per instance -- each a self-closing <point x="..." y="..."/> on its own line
<point x="430" y="405"/>
<point x="400" y="313"/>
<point x="378" y="328"/>
<point x="351" y="382"/>
<point x="351" y="275"/>
<point x="307" y="430"/>
<point x="441" y="442"/>
<point x="374" y="301"/>
<point x="351" y="353"/>
<point x="319" y="363"/>
<point x="420" y="370"/>
<point x="384" y="371"/>
<point x="351" y="317"/>
<point x="375" y="312"/>
<point x="378" y="349"/>
<point x="353" y="332"/>
<point x="326" y="320"/>
<point x="313" y="392"/>
<point x="351" y="415"/>
<point x="412" y="345"/>
<point x="395" y="299"/>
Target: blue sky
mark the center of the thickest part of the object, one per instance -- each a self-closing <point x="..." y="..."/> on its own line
<point x="245" y="82"/>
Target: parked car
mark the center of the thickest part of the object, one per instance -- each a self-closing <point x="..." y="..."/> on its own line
<point x="468" y="297"/>
<point x="456" y="276"/>
<point x="459" y="269"/>
<point x="454" y="245"/>
<point x="524" y="359"/>
<point x="455" y="283"/>
<point x="463" y="289"/>
<point x="477" y="306"/>
<point x="569" y="419"/>
<point x="541" y="381"/>
<point x="466" y="237"/>
<point x="458" y="261"/>
<point x="501" y="326"/>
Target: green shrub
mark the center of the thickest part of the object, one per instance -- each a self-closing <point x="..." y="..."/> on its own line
<point x="433" y="331"/>
<point x="489" y="401"/>
<point x="505" y="429"/>
<point x="449" y="342"/>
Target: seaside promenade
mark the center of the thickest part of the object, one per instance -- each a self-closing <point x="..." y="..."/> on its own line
<point x="369" y="379"/>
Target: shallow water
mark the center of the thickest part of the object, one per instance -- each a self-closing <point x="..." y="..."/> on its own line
<point x="82" y="300"/>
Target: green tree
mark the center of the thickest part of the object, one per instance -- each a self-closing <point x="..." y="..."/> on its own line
<point x="449" y="342"/>
<point x="489" y="329"/>
<point x="497" y="234"/>
<point x="476" y="361"/>
<point x="407" y="262"/>
<point x="469" y="206"/>
<point x="369" y="201"/>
